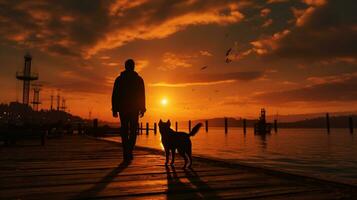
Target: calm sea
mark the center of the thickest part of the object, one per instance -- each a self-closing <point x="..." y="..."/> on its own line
<point x="310" y="152"/>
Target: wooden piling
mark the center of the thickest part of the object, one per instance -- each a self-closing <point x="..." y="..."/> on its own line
<point x="95" y="127"/>
<point x="225" y="125"/>
<point x="276" y="126"/>
<point x="43" y="138"/>
<point x="141" y="128"/>
<point x="176" y="126"/>
<point x="328" y="122"/>
<point x="155" y="128"/>
<point x="79" y="129"/>
<point x="244" y="126"/>
<point x="95" y="123"/>
<point x="138" y="129"/>
<point x="189" y="125"/>
<point x="147" y="128"/>
<point x="351" y="124"/>
<point x="206" y="125"/>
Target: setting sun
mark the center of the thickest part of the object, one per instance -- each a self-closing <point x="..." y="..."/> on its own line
<point x="164" y="101"/>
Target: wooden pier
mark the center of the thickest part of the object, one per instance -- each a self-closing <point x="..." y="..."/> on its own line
<point x="78" y="167"/>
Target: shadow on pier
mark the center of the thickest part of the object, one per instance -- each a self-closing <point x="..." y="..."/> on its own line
<point x="189" y="184"/>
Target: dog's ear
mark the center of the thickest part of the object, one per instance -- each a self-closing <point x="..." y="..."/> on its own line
<point x="169" y="122"/>
<point x="160" y="122"/>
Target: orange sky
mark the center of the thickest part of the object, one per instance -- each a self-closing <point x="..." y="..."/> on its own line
<point x="287" y="56"/>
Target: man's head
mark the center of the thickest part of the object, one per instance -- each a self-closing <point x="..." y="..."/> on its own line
<point x="129" y="65"/>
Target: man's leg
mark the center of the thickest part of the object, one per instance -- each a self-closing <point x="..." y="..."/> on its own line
<point x="124" y="133"/>
<point x="133" y="131"/>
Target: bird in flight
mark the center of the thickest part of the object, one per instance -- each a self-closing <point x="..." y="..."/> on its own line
<point x="204" y="67"/>
<point x="228" y="60"/>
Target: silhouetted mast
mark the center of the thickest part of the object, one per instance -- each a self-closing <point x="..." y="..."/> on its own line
<point x="63" y="107"/>
<point x="36" y="96"/>
<point x="90" y="113"/>
<point x="26" y="77"/>
<point x="58" y="101"/>
<point x="51" y="101"/>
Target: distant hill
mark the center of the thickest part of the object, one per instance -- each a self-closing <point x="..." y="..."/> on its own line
<point x="320" y="122"/>
<point x="301" y="117"/>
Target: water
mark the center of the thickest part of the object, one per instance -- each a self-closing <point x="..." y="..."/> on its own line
<point x="310" y="152"/>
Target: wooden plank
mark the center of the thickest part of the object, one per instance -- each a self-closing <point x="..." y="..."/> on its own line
<point x="79" y="167"/>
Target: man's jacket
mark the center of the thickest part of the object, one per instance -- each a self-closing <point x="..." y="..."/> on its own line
<point x="128" y="93"/>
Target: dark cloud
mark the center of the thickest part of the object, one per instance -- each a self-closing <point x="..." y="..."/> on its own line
<point x="209" y="78"/>
<point x="62" y="50"/>
<point x="240" y="76"/>
<point x="65" y="28"/>
<point x="82" y="82"/>
<point x="323" y="32"/>
<point x="337" y="90"/>
<point x="84" y="27"/>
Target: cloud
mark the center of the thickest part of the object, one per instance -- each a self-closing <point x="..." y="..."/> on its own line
<point x="65" y="28"/>
<point x="185" y="80"/>
<point x="265" y="12"/>
<point x="324" y="30"/>
<point x="277" y="1"/>
<point x="173" y="61"/>
<point x="330" y="29"/>
<point x="163" y="84"/>
<point x="205" y="53"/>
<point x="324" y="89"/>
<point x="267" y="23"/>
<point x="315" y="2"/>
<point x="104" y="57"/>
<point x="156" y="21"/>
<point x="78" y="28"/>
<point x="111" y="64"/>
<point x="141" y="64"/>
<point x="331" y="79"/>
<point x="75" y="81"/>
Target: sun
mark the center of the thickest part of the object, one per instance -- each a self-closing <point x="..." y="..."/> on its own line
<point x="164" y="101"/>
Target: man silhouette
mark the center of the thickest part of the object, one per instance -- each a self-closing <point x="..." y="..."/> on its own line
<point x="128" y="100"/>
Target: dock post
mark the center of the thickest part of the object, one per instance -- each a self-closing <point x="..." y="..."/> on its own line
<point x="328" y="122"/>
<point x="155" y="128"/>
<point x="141" y="128"/>
<point x="176" y="126"/>
<point x="225" y="125"/>
<point x="147" y="128"/>
<point x="351" y="124"/>
<point x="138" y="129"/>
<point x="43" y="138"/>
<point x="95" y="126"/>
<point x="79" y="129"/>
<point x="189" y="125"/>
<point x="95" y="123"/>
<point x="275" y="125"/>
<point x="244" y="126"/>
<point x="206" y="125"/>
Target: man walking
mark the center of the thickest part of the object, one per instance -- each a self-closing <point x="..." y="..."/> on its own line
<point x="128" y="99"/>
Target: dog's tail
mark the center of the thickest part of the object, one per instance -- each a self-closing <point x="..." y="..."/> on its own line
<point x="195" y="129"/>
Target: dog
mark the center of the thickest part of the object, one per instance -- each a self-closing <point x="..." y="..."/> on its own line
<point x="172" y="140"/>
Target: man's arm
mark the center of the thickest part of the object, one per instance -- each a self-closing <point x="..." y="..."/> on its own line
<point x="115" y="98"/>
<point x="142" y="97"/>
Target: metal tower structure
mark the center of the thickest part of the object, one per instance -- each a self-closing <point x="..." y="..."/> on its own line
<point x="63" y="107"/>
<point x="36" y="96"/>
<point x="26" y="76"/>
